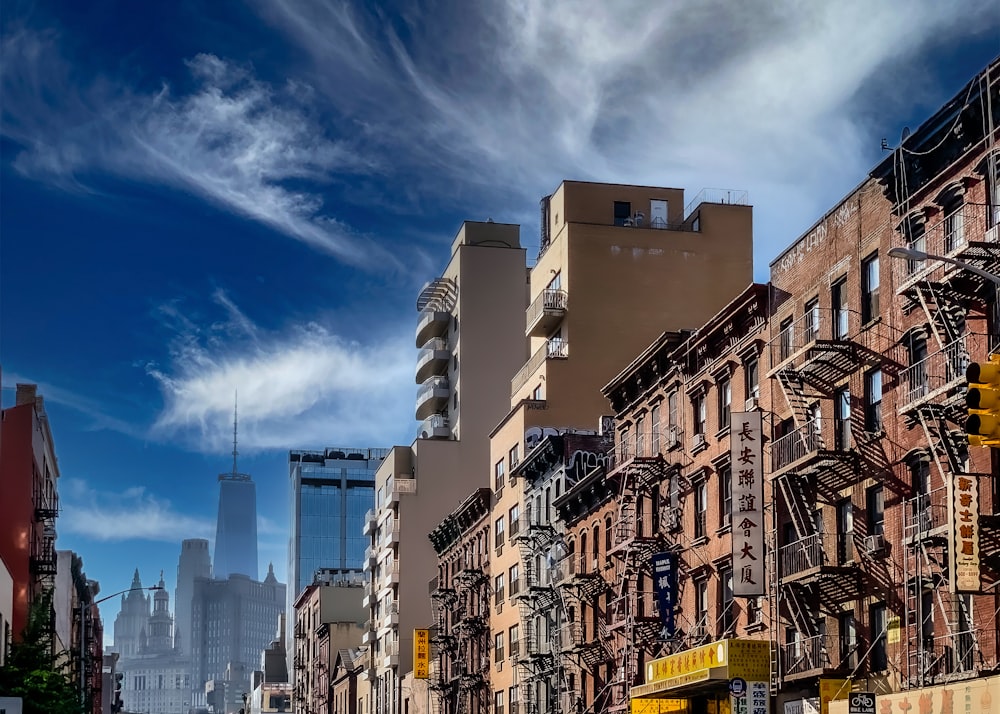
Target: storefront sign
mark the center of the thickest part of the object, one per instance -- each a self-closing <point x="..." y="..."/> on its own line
<point x="803" y="706"/>
<point x="665" y="582"/>
<point x="722" y="661"/>
<point x="892" y="631"/>
<point x="659" y="706"/>
<point x="830" y="690"/>
<point x="747" y="460"/>
<point x="964" y="532"/>
<point x="421" y="653"/>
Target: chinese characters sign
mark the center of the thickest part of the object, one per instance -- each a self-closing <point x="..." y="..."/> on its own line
<point x="965" y="533"/>
<point x="665" y="581"/>
<point x="421" y="653"/>
<point x="746" y="457"/>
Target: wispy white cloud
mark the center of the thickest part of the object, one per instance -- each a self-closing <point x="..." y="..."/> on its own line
<point x="132" y="514"/>
<point x="302" y="386"/>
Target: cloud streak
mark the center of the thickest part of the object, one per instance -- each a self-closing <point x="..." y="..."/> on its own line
<point x="132" y="514"/>
<point x="300" y="386"/>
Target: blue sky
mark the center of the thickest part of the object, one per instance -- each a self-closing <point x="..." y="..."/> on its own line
<point x="203" y="197"/>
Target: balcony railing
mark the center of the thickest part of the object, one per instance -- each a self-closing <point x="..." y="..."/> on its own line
<point x="815" y="324"/>
<point x="550" y="303"/>
<point x="795" y="445"/>
<point x="636" y="446"/>
<point x="434" y="427"/>
<point x="925" y="513"/>
<point x="935" y="371"/>
<point x="816" y="550"/>
<point x="725" y="196"/>
<point x="432" y="356"/>
<point x="948" y="237"/>
<point x="552" y="349"/>
<point x="808" y="654"/>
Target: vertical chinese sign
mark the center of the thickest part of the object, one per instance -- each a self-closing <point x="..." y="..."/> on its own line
<point x="964" y="533"/>
<point x="665" y="582"/>
<point x="421" y="653"/>
<point x="746" y="455"/>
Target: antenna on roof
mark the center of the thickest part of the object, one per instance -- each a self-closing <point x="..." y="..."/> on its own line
<point x="235" y="423"/>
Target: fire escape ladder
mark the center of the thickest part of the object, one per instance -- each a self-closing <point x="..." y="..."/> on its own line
<point x="795" y="597"/>
<point x="936" y="431"/>
<point x="794" y="388"/>
<point x="795" y="494"/>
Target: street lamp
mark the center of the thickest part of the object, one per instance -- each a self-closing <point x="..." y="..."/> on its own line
<point x="910" y="254"/>
<point x="83" y="635"/>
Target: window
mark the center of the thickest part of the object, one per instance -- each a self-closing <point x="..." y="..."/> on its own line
<point x="920" y="506"/>
<point x="785" y="338"/>
<point x="556" y="282"/>
<point x="498" y="590"/>
<point x="700" y="509"/>
<point x="513" y="456"/>
<point x="954" y="228"/>
<point x="701" y="605"/>
<point x="873" y="401"/>
<point x="845" y="531"/>
<point x="640" y="436"/>
<point x="512" y="699"/>
<point x="916" y="239"/>
<point x="875" y="504"/>
<point x="672" y="410"/>
<point x="513" y="635"/>
<point x="607" y="534"/>
<point x="812" y="321"/>
<point x="727" y="612"/>
<point x="725" y="495"/>
<point x="498" y="474"/>
<point x="916" y="374"/>
<point x="838" y="300"/>
<point x="498" y="651"/>
<point x="848" y="639"/>
<point x="869" y="288"/>
<point x="725" y="394"/>
<point x="755" y="611"/>
<point x="698" y="412"/>
<point x="514" y="577"/>
<point x="623" y="213"/>
<point x="537" y="394"/>
<point x="993" y="190"/>
<point x="842" y="419"/>
<point x="751" y="373"/>
<point x="877" y="624"/>
<point x="654" y="425"/>
<point x="498" y="702"/>
<point x="498" y="531"/>
<point x="514" y="515"/>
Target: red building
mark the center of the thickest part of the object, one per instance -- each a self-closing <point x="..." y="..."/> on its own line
<point x="29" y="506"/>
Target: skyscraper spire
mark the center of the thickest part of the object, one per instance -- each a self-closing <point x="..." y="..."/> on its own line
<point x="235" y="423"/>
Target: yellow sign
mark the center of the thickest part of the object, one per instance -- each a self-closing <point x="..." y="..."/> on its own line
<point x="722" y="660"/>
<point x="421" y="653"/>
<point x="892" y="631"/>
<point x="832" y="690"/>
<point x="659" y="706"/>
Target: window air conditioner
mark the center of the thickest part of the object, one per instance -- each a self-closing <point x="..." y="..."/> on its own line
<point x="672" y="437"/>
<point x="697" y="441"/>
<point x="595" y="565"/>
<point x="874" y="544"/>
<point x="993" y="234"/>
<point x="752" y="404"/>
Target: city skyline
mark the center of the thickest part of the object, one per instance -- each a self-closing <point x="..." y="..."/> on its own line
<point x="91" y="227"/>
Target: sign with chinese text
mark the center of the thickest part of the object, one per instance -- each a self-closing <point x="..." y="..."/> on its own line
<point x="964" y="540"/>
<point x="421" y="653"/>
<point x="722" y="660"/>
<point x="659" y="706"/>
<point x="665" y="583"/>
<point x="747" y="461"/>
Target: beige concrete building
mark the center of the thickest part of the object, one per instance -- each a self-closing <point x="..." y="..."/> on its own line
<point x="617" y="266"/>
<point x="470" y="332"/>
<point x="329" y="617"/>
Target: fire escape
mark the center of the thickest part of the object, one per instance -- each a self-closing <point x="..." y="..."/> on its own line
<point x="818" y="358"/>
<point x="444" y="645"/>
<point x="632" y="621"/>
<point x="933" y="400"/>
<point x="470" y="624"/>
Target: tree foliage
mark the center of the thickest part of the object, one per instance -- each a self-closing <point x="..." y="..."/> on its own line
<point x="35" y="672"/>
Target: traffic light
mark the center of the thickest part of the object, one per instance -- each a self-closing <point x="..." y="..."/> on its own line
<point x="983" y="402"/>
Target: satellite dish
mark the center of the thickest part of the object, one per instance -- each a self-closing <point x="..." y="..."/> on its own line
<point x="905" y="135"/>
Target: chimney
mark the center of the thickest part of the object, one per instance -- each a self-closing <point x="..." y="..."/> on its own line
<point x="26" y="394"/>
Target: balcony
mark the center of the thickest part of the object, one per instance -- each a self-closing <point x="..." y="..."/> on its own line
<point x="390" y="532"/>
<point x="369" y="637"/>
<point x="46" y="507"/>
<point x="552" y="349"/>
<point x="434" y="427"/>
<point x="390" y="654"/>
<point x="809" y="657"/>
<point x="390" y="574"/>
<point x="575" y="568"/>
<point x="432" y="396"/>
<point x="937" y="374"/>
<point x="639" y="458"/>
<point x="825" y="560"/>
<point x="545" y="313"/>
<point x="925" y="517"/>
<point x="43" y="558"/>
<point x="371" y="523"/>
<point x="822" y="346"/>
<point x="371" y="559"/>
<point x="433" y="359"/>
<point x="804" y="451"/>
<point x="432" y="323"/>
<point x="369" y="595"/>
<point x="960" y="234"/>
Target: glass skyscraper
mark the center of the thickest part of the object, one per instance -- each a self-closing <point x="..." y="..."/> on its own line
<point x="331" y="491"/>
<point x="236" y="531"/>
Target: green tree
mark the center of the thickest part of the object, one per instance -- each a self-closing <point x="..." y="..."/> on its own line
<point x="34" y="672"/>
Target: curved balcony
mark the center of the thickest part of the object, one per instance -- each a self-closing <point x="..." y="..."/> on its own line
<point x="434" y="427"/>
<point x="432" y="396"/>
<point x="545" y="313"/>
<point x="432" y="323"/>
<point x="433" y="359"/>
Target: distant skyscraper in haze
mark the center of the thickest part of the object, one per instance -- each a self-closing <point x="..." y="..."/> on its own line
<point x="236" y="529"/>
<point x="193" y="563"/>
